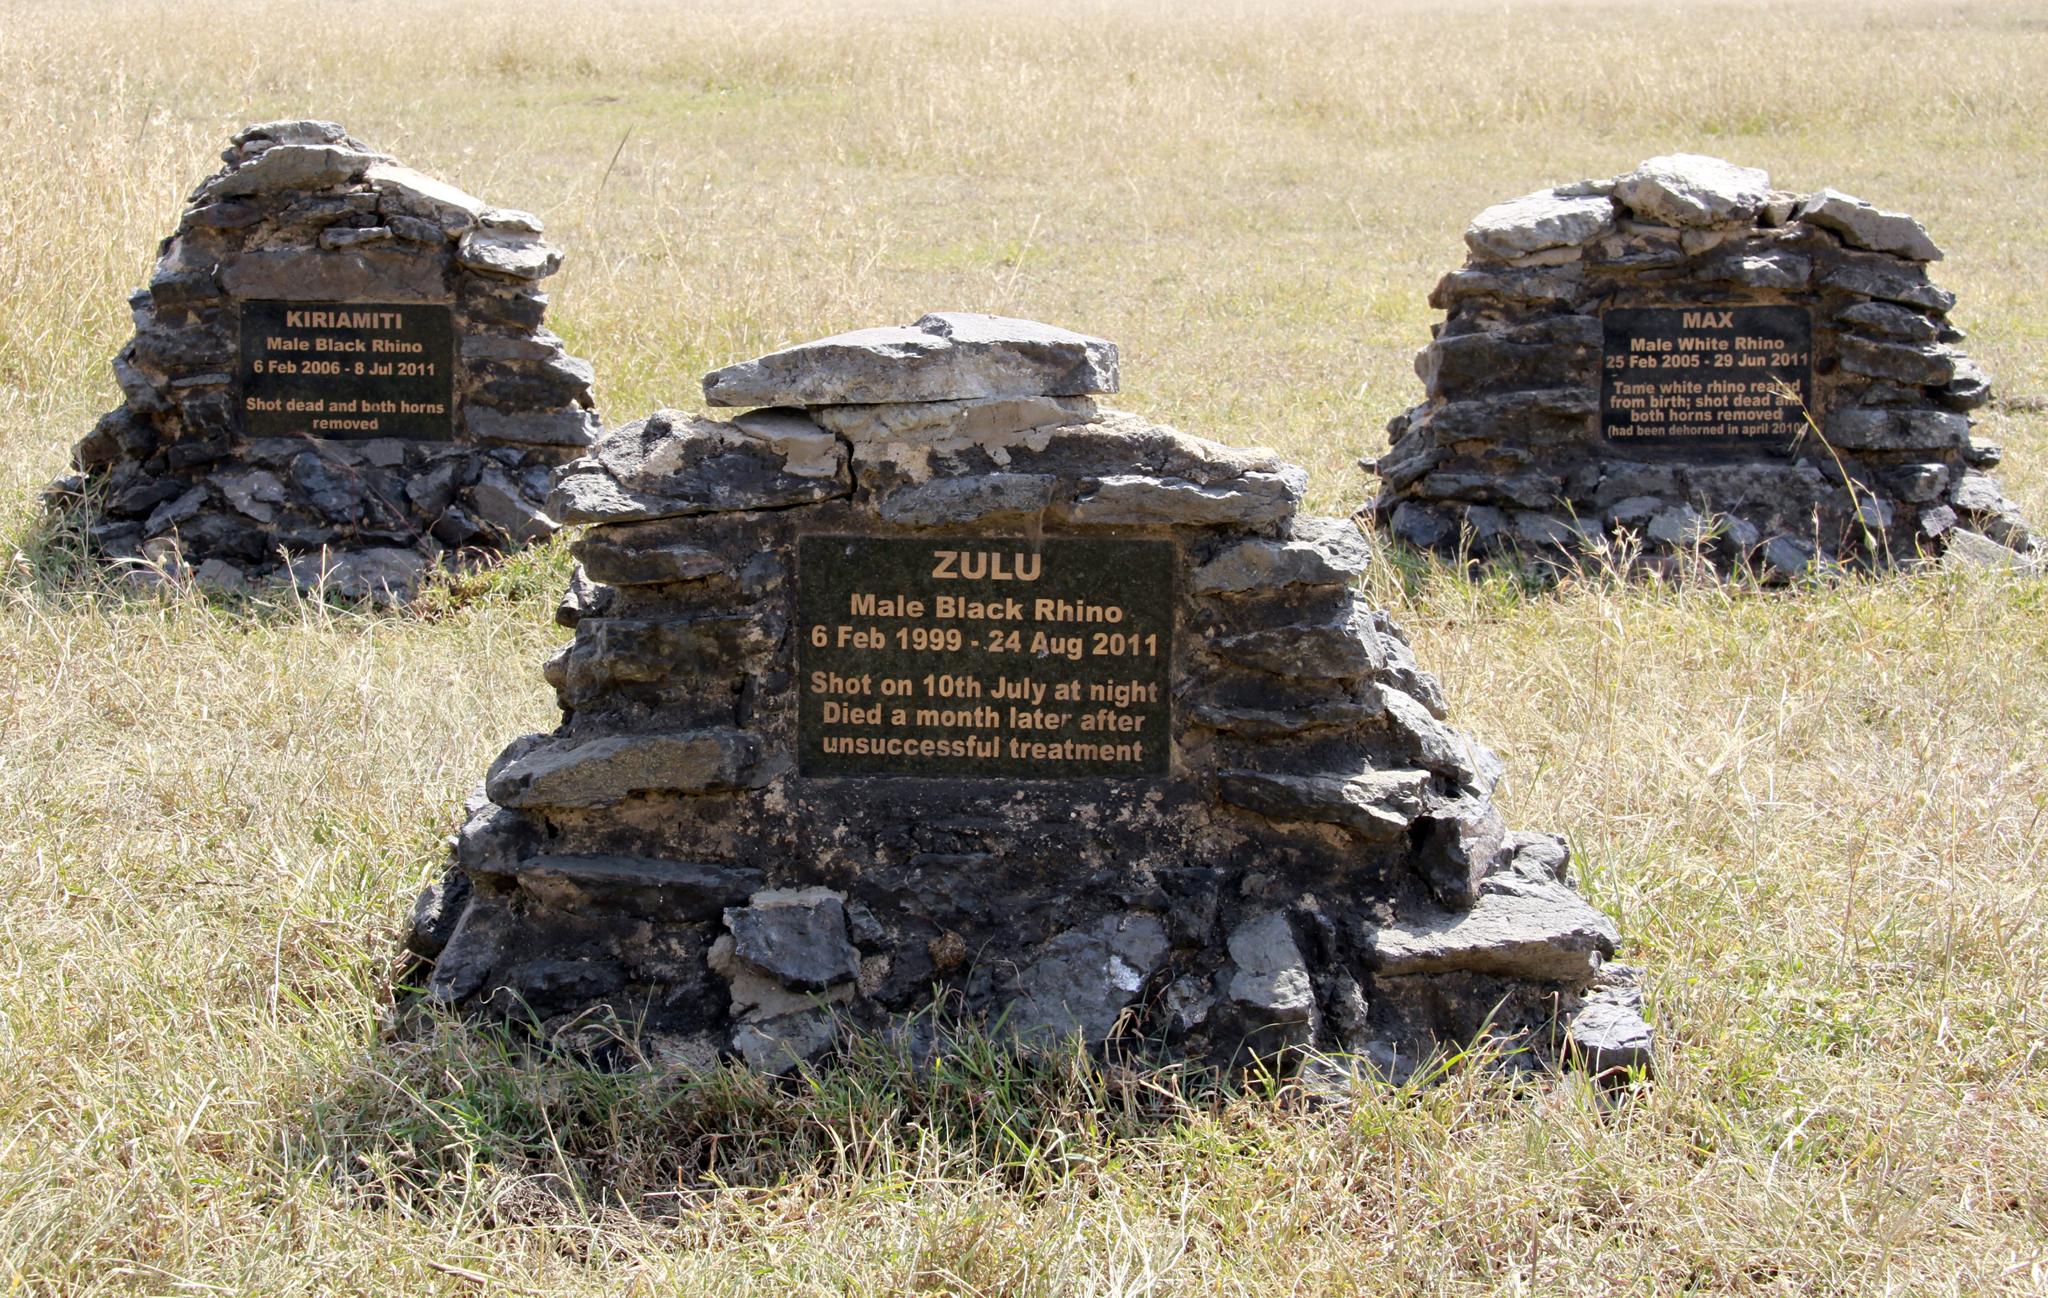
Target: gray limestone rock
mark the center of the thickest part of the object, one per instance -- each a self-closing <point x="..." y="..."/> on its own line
<point x="1268" y="1005"/>
<point x="1771" y="269"/>
<point x="1537" y="222"/>
<point x="1083" y="979"/>
<point x="984" y="497"/>
<point x="474" y="948"/>
<point x="1373" y="804"/>
<point x="1889" y="320"/>
<point x="1680" y="527"/>
<point x="511" y="254"/>
<point x="1691" y="189"/>
<point x="786" y="1042"/>
<point x="607" y="557"/>
<point x="383" y="574"/>
<point x="1968" y="551"/>
<point x="436" y="912"/>
<point x="1889" y="282"/>
<point x="1534" y="930"/>
<point x="405" y="193"/>
<point x="1423" y="527"/>
<point x="797" y="936"/>
<point x="1255" y="500"/>
<point x="1903" y="363"/>
<point x="1609" y="1034"/>
<point x="1319" y="552"/>
<point x="991" y="420"/>
<point x="571" y="427"/>
<point x="1345" y="649"/>
<point x="1864" y="226"/>
<point x="173" y="512"/>
<point x="255" y="493"/>
<point x="1787" y="558"/>
<point x="293" y="167"/>
<point x="1969" y="389"/>
<point x="945" y="356"/>
<point x="600" y="772"/>
<point x="498" y="501"/>
<point x="1460" y="845"/>
<point x="672" y="465"/>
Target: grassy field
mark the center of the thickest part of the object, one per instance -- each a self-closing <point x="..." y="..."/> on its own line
<point x="1822" y="821"/>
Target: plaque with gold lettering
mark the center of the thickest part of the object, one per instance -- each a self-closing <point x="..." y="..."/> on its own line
<point x="980" y="656"/>
<point x="1732" y="377"/>
<point x="346" y="370"/>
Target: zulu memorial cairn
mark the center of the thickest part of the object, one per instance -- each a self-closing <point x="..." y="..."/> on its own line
<point x="1686" y="355"/>
<point x="929" y="678"/>
<point x="338" y="375"/>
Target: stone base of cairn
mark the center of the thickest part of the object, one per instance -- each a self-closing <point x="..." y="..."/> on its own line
<point x="1507" y="453"/>
<point x="1320" y="867"/>
<point x="301" y="213"/>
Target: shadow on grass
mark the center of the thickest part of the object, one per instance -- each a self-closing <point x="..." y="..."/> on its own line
<point x="446" y="1114"/>
<point x="54" y="567"/>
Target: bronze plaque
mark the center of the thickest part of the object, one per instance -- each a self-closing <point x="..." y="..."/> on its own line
<point x="1722" y="377"/>
<point x="984" y="656"/>
<point x="346" y="370"/>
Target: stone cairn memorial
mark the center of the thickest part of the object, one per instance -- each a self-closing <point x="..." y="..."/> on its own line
<point x="1692" y="358"/>
<point x="339" y="376"/>
<point x="928" y="680"/>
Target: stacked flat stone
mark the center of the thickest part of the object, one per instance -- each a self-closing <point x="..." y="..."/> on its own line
<point x="1323" y="867"/>
<point x="303" y="212"/>
<point x="1506" y="453"/>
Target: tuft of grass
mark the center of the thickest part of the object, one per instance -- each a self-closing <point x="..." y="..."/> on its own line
<point x="1818" y="815"/>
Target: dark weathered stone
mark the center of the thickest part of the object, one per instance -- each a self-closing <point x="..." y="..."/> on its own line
<point x="1931" y="366"/>
<point x="1460" y="845"/>
<point x="605" y="560"/>
<point x="1342" y="650"/>
<point x="797" y="936"/>
<point x="598" y="772"/>
<point x="1555" y="351"/>
<point x="1897" y="430"/>
<point x="1373" y="805"/>
<point x="671" y="465"/>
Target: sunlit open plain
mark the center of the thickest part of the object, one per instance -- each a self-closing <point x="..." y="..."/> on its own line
<point x="1822" y="820"/>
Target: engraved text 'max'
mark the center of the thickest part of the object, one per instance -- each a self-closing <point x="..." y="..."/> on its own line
<point x="1726" y="376"/>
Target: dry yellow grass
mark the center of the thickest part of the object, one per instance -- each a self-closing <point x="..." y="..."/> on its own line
<point x="1824" y="821"/>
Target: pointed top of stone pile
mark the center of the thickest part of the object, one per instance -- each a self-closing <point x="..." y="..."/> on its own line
<point x="1688" y="191"/>
<point x="944" y="356"/>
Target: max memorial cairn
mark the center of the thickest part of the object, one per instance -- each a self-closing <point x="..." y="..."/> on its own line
<point x="1693" y="358"/>
<point x="339" y="375"/>
<point x="927" y="678"/>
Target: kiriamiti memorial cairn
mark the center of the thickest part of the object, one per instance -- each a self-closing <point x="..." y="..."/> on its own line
<point x="1690" y="360"/>
<point x="927" y="679"/>
<point x="339" y="377"/>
